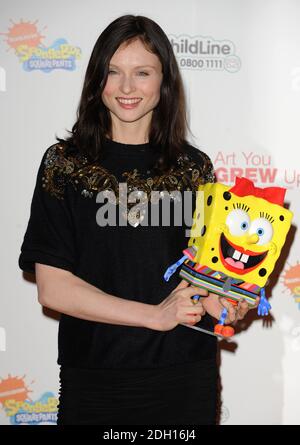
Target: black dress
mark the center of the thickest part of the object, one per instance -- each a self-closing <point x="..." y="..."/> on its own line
<point x="112" y="374"/>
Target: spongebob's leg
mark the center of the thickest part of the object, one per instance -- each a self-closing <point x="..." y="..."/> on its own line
<point x="226" y="331"/>
<point x="219" y="327"/>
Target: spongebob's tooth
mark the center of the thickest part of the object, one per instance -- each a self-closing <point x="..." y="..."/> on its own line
<point x="236" y="255"/>
<point x="244" y="258"/>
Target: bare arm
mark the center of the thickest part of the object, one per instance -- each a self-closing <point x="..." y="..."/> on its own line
<point x="64" y="292"/>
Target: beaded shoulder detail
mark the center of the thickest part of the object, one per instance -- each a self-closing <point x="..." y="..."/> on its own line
<point x="90" y="178"/>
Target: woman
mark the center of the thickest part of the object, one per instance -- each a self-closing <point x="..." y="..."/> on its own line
<point x="124" y="356"/>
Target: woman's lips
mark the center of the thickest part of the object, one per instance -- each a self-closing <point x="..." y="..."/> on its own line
<point x="128" y="104"/>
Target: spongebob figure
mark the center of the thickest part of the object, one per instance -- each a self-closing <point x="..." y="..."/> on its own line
<point x="234" y="249"/>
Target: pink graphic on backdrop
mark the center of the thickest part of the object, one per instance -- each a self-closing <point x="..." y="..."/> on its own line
<point x="291" y="280"/>
<point x="256" y="166"/>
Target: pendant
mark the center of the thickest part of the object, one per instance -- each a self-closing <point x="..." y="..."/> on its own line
<point x="134" y="217"/>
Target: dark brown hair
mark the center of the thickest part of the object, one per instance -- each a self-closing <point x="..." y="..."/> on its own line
<point x="168" y="125"/>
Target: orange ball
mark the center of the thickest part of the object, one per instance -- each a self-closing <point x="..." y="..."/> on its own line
<point x="228" y="331"/>
<point x="219" y="329"/>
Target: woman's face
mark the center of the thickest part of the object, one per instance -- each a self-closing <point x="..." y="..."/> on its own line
<point x="132" y="89"/>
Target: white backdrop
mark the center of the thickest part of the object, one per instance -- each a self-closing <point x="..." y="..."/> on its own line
<point x="244" y="112"/>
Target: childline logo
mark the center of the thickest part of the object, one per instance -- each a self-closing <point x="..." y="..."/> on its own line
<point x="205" y="53"/>
<point x="26" y="40"/>
<point x="21" y="410"/>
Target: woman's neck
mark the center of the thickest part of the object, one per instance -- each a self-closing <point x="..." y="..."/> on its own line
<point x="130" y="132"/>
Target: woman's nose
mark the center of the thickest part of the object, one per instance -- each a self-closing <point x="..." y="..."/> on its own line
<point x="127" y="84"/>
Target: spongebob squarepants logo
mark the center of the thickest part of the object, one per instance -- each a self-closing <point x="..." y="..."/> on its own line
<point x="21" y="410"/>
<point x="26" y="40"/>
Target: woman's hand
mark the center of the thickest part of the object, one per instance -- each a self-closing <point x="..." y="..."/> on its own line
<point x="214" y="304"/>
<point x="178" y="307"/>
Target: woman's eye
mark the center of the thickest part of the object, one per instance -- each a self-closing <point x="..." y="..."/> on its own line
<point x="238" y="222"/>
<point x="263" y="228"/>
<point x="143" y="73"/>
<point x="111" y="71"/>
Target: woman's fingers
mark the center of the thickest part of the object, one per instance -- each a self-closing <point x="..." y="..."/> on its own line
<point x="200" y="291"/>
<point x="193" y="311"/>
<point x="190" y="290"/>
<point x="178" y="307"/>
<point x="231" y="311"/>
<point x="182" y="285"/>
<point x="257" y="300"/>
<point x="199" y="310"/>
<point x="242" y="309"/>
<point x="235" y="312"/>
<point x="193" y="290"/>
<point x="194" y="314"/>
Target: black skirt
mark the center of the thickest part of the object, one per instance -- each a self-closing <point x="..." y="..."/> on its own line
<point x="175" y="395"/>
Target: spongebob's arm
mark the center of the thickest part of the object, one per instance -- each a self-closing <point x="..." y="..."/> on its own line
<point x="189" y="253"/>
<point x="264" y="306"/>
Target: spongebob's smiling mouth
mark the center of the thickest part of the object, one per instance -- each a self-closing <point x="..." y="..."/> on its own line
<point x="237" y="259"/>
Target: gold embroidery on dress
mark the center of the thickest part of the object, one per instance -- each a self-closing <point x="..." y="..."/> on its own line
<point x="93" y="178"/>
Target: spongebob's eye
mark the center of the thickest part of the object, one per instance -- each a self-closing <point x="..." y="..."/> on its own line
<point x="263" y="228"/>
<point x="238" y="222"/>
